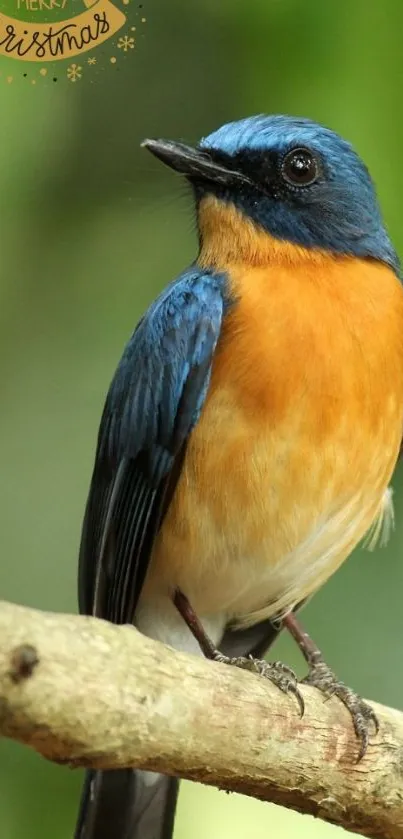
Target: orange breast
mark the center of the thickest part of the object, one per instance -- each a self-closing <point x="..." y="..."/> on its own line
<point x="290" y="461"/>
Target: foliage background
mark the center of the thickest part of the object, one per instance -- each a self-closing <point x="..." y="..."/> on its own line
<point x="91" y="228"/>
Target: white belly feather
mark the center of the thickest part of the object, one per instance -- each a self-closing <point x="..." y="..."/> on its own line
<point x="309" y="565"/>
<point x="268" y="591"/>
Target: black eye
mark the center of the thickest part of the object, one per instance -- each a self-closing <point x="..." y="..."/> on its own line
<point x="299" y="167"/>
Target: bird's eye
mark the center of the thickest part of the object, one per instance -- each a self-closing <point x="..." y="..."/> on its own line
<point x="299" y="167"/>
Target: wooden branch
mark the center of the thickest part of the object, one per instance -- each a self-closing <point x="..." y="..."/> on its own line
<point x="83" y="692"/>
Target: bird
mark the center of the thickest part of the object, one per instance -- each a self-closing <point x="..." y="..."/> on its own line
<point x="252" y="427"/>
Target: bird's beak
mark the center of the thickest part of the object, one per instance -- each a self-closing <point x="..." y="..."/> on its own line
<point x="196" y="164"/>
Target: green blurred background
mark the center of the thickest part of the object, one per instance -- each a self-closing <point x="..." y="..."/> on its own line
<point x="91" y="228"/>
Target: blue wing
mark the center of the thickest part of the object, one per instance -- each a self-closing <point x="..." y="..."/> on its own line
<point x="152" y="406"/>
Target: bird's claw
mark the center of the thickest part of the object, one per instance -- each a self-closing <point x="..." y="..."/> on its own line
<point x="363" y="717"/>
<point x="276" y="672"/>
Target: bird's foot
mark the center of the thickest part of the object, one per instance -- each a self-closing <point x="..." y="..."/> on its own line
<point x="364" y="719"/>
<point x="279" y="674"/>
<point x="322" y="677"/>
<point x="276" y="672"/>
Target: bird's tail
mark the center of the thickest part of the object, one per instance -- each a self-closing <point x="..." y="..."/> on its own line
<point x="127" y="804"/>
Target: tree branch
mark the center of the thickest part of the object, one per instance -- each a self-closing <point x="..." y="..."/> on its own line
<point x="84" y="692"/>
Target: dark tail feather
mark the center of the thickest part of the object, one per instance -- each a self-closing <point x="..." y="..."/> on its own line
<point x="127" y="804"/>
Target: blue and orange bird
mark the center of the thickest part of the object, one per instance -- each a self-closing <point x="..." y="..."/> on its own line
<point x="252" y="427"/>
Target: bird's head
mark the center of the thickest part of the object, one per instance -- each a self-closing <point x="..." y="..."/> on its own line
<point x="288" y="178"/>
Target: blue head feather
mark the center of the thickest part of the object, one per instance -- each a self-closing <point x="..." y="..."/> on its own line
<point x="339" y="212"/>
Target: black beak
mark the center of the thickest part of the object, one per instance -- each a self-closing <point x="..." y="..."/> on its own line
<point x="197" y="164"/>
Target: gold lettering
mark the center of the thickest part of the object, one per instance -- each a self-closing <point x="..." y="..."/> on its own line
<point x="49" y="42"/>
<point x="41" y="5"/>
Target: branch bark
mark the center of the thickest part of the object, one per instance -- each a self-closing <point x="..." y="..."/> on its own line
<point x="83" y="692"/>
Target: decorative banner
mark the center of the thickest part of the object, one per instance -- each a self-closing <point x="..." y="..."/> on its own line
<point x="63" y="39"/>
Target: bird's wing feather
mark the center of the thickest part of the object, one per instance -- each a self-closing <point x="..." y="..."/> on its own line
<point x="153" y="404"/>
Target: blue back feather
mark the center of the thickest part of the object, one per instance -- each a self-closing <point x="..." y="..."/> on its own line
<point x="160" y="384"/>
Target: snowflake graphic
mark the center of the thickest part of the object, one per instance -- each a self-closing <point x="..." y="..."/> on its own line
<point x="92" y="61"/>
<point x="126" y="43"/>
<point x="74" y="72"/>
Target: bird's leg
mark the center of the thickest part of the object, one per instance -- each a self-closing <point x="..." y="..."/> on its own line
<point x="322" y="677"/>
<point x="192" y="621"/>
<point x="277" y="672"/>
